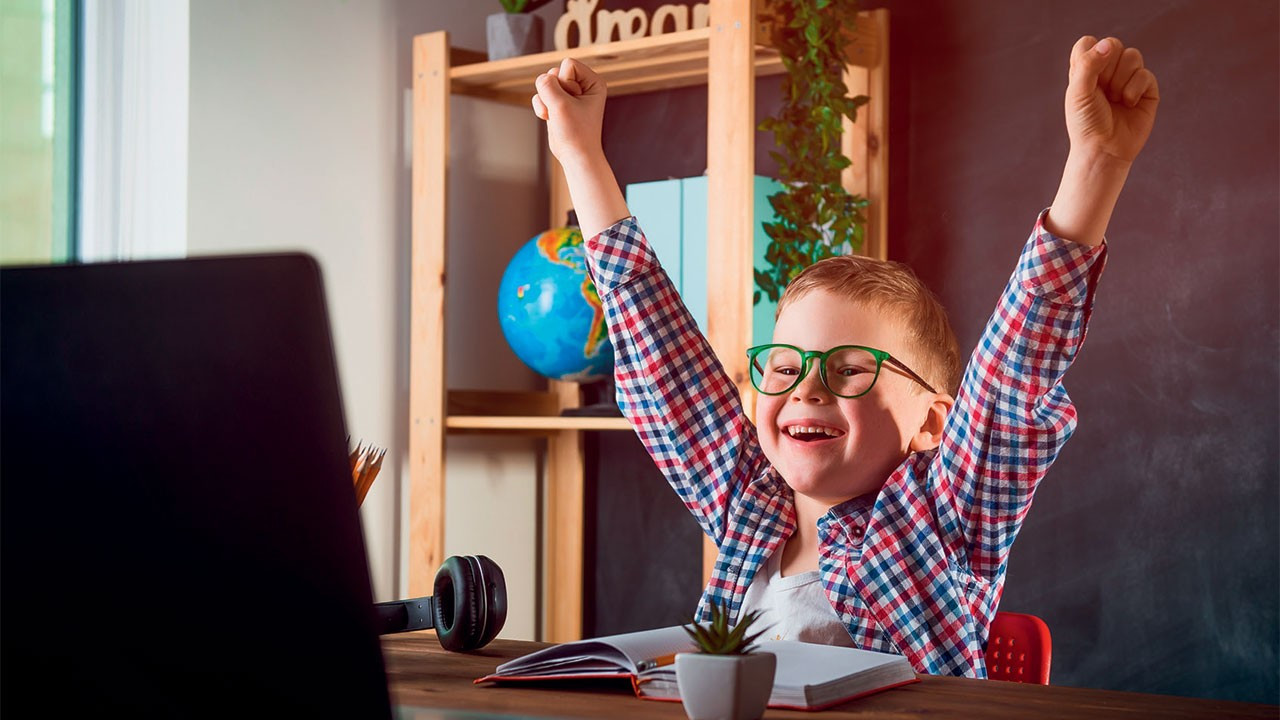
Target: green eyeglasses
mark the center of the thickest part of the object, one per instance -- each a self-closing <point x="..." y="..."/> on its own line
<point x="848" y="371"/>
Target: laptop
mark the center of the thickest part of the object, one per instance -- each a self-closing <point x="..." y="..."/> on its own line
<point x="179" y="535"/>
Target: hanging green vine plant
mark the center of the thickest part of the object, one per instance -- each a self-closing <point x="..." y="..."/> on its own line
<point x="816" y="217"/>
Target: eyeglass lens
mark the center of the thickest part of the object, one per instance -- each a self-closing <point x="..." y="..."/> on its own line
<point x="849" y="371"/>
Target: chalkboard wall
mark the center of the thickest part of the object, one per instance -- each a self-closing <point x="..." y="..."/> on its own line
<point x="1153" y="547"/>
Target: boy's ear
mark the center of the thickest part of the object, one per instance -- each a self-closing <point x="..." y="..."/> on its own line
<point x="929" y="436"/>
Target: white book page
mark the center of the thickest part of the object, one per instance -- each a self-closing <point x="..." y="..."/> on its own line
<point x="806" y="664"/>
<point x="613" y="652"/>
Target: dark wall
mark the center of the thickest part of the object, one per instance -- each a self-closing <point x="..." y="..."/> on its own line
<point x="1153" y="548"/>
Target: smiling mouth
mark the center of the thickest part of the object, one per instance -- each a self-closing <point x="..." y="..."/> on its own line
<point x="808" y="433"/>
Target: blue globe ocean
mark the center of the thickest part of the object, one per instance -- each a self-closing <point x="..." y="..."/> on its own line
<point x="550" y="311"/>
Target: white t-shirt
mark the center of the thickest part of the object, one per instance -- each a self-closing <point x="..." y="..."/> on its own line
<point x="794" y="607"/>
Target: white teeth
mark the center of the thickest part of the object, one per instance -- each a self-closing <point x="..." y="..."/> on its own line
<point x="795" y="430"/>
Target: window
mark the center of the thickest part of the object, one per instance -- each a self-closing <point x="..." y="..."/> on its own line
<point x="39" y="58"/>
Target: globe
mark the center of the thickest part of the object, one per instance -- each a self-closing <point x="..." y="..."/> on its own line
<point x="550" y="311"/>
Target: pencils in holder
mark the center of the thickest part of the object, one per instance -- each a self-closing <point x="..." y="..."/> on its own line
<point x="366" y="461"/>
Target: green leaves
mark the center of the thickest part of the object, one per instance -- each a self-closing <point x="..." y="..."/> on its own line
<point x="816" y="217"/>
<point x="717" y="638"/>
<point x="522" y="6"/>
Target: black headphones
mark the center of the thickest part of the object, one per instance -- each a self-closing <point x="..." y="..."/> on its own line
<point x="467" y="610"/>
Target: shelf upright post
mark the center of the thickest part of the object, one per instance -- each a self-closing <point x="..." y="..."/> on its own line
<point x="431" y="96"/>
<point x="565" y="495"/>
<point x="731" y="129"/>
<point x="866" y="142"/>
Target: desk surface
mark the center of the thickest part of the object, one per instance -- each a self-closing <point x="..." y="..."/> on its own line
<point x="422" y="674"/>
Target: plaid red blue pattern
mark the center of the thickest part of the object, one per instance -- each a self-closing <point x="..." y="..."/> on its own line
<point x="919" y="567"/>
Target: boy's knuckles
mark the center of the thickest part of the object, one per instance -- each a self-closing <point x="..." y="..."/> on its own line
<point x="1137" y="86"/>
<point x="1081" y="47"/>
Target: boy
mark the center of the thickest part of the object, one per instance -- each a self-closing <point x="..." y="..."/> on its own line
<point x="866" y="505"/>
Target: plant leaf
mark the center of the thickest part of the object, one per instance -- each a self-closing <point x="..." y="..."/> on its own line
<point x="818" y="217"/>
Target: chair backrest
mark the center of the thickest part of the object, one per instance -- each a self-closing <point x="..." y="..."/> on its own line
<point x="1019" y="649"/>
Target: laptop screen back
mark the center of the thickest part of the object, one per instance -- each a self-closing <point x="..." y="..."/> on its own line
<point x="179" y="533"/>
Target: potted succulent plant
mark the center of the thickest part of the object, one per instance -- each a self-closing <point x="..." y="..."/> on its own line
<point x="726" y="679"/>
<point x="816" y="217"/>
<point x="517" y="31"/>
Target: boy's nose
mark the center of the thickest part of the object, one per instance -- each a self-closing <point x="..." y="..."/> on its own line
<point x="810" y="388"/>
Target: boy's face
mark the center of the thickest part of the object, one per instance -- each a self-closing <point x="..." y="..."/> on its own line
<point x="872" y="433"/>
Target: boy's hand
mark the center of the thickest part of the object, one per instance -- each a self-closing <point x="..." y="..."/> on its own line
<point x="1111" y="99"/>
<point x="1111" y="105"/>
<point x="570" y="99"/>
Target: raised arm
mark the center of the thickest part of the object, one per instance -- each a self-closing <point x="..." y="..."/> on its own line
<point x="671" y="386"/>
<point x="574" y="96"/>
<point x="1111" y="105"/>
<point x="1012" y="415"/>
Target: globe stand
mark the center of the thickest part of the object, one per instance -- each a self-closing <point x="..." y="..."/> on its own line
<point x="598" y="401"/>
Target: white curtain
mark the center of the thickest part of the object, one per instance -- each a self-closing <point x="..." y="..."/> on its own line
<point x="133" y="172"/>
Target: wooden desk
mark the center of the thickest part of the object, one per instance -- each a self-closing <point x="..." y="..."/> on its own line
<point x="422" y="674"/>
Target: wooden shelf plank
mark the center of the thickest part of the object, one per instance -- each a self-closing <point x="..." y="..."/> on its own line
<point x="505" y="411"/>
<point x="629" y="66"/>
<point x="502" y="403"/>
<point x="544" y="423"/>
<point x="661" y="62"/>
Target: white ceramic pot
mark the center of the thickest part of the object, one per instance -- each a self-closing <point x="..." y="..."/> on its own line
<point x="725" y="687"/>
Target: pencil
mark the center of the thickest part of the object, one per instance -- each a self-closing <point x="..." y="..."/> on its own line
<point x="657" y="662"/>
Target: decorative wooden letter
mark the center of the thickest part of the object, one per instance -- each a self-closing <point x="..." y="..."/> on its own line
<point x="630" y="23"/>
<point x="577" y="12"/>
<point x="701" y="15"/>
<point x="679" y="15"/>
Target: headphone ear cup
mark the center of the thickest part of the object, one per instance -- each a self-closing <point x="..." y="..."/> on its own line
<point x="470" y="602"/>
<point x="455" y="618"/>
<point x="494" y="587"/>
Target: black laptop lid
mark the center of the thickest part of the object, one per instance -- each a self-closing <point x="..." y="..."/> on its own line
<point x="179" y="535"/>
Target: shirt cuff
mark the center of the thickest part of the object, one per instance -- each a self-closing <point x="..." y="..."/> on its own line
<point x="618" y="253"/>
<point x="1058" y="269"/>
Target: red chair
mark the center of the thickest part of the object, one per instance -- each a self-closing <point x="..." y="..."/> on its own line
<point x="1019" y="649"/>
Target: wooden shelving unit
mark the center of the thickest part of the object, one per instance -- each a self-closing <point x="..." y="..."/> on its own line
<point x="726" y="57"/>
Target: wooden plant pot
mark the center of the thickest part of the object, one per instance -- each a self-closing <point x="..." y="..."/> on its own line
<point x="725" y="687"/>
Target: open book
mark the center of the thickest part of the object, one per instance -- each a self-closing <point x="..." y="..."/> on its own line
<point x="808" y="676"/>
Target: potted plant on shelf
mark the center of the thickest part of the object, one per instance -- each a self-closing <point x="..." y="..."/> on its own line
<point x="517" y="31"/>
<point x="726" y="679"/>
<point x="816" y="217"/>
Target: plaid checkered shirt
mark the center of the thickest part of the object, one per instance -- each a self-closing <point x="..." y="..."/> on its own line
<point x="918" y="568"/>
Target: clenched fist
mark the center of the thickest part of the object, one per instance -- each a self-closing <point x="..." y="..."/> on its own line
<point x="571" y="100"/>
<point x="1111" y="99"/>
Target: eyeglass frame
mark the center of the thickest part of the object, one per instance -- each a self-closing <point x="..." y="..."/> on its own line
<point x="806" y="355"/>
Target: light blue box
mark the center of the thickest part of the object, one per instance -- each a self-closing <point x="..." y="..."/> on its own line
<point x="656" y="206"/>
<point x="693" y="192"/>
<point x="673" y="215"/>
<point x="763" y="311"/>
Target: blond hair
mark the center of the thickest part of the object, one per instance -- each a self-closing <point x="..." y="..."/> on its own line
<point x="893" y="289"/>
